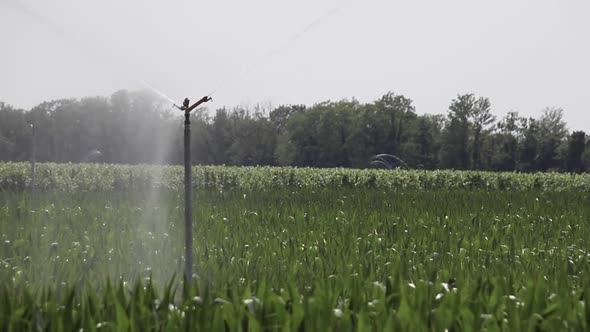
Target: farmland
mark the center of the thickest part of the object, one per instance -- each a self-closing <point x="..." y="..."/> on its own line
<point x="99" y="247"/>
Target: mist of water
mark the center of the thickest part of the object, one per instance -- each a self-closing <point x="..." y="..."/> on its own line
<point x="153" y="218"/>
<point x="270" y="53"/>
<point x="83" y="47"/>
<point x="158" y="92"/>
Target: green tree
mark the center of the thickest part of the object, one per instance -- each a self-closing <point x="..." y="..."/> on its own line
<point x="201" y="141"/>
<point x="319" y="136"/>
<point x="422" y="150"/>
<point x="575" y="151"/>
<point x="455" y="140"/>
<point x="54" y="125"/>
<point x="529" y="146"/>
<point x="221" y="135"/>
<point x="510" y="130"/>
<point x="550" y="135"/>
<point x="333" y="130"/>
<point x="14" y="134"/>
<point x="481" y="119"/>
<point x="284" y="152"/>
<point x="134" y="127"/>
<point x="369" y="134"/>
<point x="281" y="116"/>
<point x="253" y="140"/>
<point x="301" y="147"/>
<point x="586" y="157"/>
<point x="397" y="110"/>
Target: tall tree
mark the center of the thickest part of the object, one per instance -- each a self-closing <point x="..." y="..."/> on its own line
<point x="253" y="140"/>
<point x="284" y="152"/>
<point x="369" y="134"/>
<point x="134" y="127"/>
<point x="301" y="146"/>
<point x="481" y="119"/>
<point x="14" y="134"/>
<point x="509" y="135"/>
<point x="221" y="132"/>
<point x="586" y="156"/>
<point x="425" y="141"/>
<point x="332" y="133"/>
<point x="281" y="116"/>
<point x="55" y="125"/>
<point x="455" y="141"/>
<point x="575" y="150"/>
<point x="551" y="133"/>
<point x="398" y="109"/>
<point x="529" y="146"/>
<point x="201" y="141"/>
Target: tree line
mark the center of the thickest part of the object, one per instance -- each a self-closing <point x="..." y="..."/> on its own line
<point x="135" y="127"/>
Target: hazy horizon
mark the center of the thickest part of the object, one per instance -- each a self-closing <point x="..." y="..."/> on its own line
<point x="524" y="55"/>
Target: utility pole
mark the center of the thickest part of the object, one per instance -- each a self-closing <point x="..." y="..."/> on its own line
<point x="188" y="209"/>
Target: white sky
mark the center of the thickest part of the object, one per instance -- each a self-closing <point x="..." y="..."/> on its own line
<point x="524" y="55"/>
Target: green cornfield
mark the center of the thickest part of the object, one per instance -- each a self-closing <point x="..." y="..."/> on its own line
<point x="99" y="248"/>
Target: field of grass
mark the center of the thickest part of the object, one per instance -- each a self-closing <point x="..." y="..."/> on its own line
<point x="105" y="177"/>
<point x="483" y="252"/>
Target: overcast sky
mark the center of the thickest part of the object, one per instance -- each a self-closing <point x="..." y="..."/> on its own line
<point x="524" y="55"/>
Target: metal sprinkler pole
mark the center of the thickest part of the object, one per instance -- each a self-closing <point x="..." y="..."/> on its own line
<point x="188" y="209"/>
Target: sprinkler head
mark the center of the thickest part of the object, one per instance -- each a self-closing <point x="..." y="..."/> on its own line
<point x="185" y="104"/>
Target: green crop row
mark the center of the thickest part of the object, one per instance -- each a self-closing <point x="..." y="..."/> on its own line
<point x="396" y="305"/>
<point x="105" y="177"/>
<point x="346" y="259"/>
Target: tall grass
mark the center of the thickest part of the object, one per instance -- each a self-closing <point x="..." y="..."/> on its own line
<point x="285" y="259"/>
<point x="104" y="177"/>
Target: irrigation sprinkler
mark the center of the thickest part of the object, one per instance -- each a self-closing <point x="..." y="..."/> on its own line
<point x="188" y="211"/>
<point x="387" y="161"/>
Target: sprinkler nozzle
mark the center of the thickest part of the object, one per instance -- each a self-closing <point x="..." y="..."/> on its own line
<point x="185" y="105"/>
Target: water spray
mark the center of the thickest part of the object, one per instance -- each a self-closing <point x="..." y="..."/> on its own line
<point x="188" y="209"/>
<point x="281" y="47"/>
<point x="158" y="92"/>
<point x="82" y="46"/>
<point x="388" y="161"/>
<point x="186" y="107"/>
<point x="188" y="224"/>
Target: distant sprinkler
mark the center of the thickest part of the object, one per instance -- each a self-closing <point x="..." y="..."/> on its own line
<point x="388" y="161"/>
<point x="188" y="212"/>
